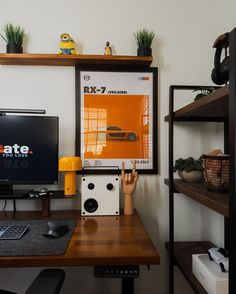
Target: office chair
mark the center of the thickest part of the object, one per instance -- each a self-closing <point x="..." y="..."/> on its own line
<point x="48" y="281"/>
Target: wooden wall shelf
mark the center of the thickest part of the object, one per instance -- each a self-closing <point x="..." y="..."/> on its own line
<point x="72" y="60"/>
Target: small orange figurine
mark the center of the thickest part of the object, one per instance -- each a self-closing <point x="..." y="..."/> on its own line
<point x="108" y="50"/>
<point x="128" y="184"/>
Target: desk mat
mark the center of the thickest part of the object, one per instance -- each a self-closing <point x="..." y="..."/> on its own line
<point x="33" y="242"/>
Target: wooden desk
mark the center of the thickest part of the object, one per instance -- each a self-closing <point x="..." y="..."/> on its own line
<point x="96" y="241"/>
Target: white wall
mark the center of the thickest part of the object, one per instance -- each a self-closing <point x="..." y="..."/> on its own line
<point x="186" y="30"/>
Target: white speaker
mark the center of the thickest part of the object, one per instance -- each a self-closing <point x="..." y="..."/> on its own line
<point x="100" y="195"/>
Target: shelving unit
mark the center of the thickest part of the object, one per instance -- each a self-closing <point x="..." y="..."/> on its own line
<point x="219" y="106"/>
<point x="72" y="60"/>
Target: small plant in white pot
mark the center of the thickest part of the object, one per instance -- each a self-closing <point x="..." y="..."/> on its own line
<point x="189" y="169"/>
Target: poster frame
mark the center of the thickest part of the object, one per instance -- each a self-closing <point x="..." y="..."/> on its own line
<point x="153" y="115"/>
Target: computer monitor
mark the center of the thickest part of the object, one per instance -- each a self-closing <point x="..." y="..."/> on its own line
<point x="28" y="150"/>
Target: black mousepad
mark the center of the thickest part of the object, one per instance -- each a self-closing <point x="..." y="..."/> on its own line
<point x="33" y="242"/>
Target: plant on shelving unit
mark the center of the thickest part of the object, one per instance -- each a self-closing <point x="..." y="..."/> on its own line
<point x="189" y="169"/>
<point x="204" y="91"/>
<point x="144" y="40"/>
<point x="14" y="36"/>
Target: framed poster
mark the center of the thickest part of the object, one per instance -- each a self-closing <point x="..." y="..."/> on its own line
<point x="116" y="119"/>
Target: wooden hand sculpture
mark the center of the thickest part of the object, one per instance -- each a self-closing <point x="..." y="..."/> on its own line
<point x="128" y="184"/>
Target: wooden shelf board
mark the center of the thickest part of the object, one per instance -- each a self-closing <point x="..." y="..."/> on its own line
<point x="211" y="107"/>
<point x="183" y="258"/>
<point x="219" y="202"/>
<point x="72" y="60"/>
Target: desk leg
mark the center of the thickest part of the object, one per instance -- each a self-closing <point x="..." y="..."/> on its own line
<point x="46" y="206"/>
<point x="127" y="286"/>
<point x="127" y="274"/>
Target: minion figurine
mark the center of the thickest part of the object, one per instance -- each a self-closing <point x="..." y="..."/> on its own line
<point x="67" y="45"/>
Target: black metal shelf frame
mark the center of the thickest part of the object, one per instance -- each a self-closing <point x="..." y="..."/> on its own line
<point x="230" y="148"/>
<point x="232" y="163"/>
<point x="172" y="119"/>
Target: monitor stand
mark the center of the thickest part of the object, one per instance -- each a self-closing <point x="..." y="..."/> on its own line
<point x="7" y="192"/>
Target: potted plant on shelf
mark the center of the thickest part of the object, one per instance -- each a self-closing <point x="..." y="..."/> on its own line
<point x="144" y="40"/>
<point x="14" y="36"/>
<point x="189" y="169"/>
<point x="204" y="91"/>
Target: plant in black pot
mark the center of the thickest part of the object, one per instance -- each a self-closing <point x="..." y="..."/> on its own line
<point x="14" y="36"/>
<point x="144" y="40"/>
<point x="189" y="169"/>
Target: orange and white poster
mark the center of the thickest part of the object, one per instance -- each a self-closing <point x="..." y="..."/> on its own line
<point x="116" y="119"/>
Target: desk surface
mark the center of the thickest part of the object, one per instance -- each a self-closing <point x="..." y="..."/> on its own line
<point x="103" y="240"/>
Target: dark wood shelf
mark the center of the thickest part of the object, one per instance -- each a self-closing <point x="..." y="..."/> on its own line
<point x="46" y="200"/>
<point x="213" y="107"/>
<point x="183" y="252"/>
<point x="23" y="195"/>
<point x="219" y="202"/>
<point x="72" y="60"/>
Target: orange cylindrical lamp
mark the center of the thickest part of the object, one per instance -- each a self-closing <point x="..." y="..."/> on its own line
<point x="70" y="165"/>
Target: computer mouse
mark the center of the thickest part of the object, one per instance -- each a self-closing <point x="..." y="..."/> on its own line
<point x="56" y="229"/>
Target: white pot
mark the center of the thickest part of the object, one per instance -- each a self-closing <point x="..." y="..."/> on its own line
<point x="192" y="176"/>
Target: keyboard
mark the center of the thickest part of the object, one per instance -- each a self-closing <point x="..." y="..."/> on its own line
<point x="12" y="232"/>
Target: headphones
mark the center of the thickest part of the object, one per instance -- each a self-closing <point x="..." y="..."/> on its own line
<point x="220" y="72"/>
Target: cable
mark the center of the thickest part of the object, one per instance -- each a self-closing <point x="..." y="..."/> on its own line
<point x="14" y="205"/>
<point x="5" y="204"/>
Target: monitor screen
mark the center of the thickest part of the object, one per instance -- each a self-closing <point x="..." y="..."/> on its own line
<point x="28" y="149"/>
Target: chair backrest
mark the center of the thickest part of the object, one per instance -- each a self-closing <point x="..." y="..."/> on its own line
<point x="49" y="281"/>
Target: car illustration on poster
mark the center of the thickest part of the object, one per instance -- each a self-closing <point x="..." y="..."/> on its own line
<point x="112" y="133"/>
<point x="116" y="133"/>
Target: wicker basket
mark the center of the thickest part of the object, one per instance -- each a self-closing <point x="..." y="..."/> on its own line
<point x="216" y="172"/>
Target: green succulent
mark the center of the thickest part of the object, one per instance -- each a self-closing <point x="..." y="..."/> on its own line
<point x="203" y="92"/>
<point x="144" y="38"/>
<point x="13" y="34"/>
<point x="188" y="164"/>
